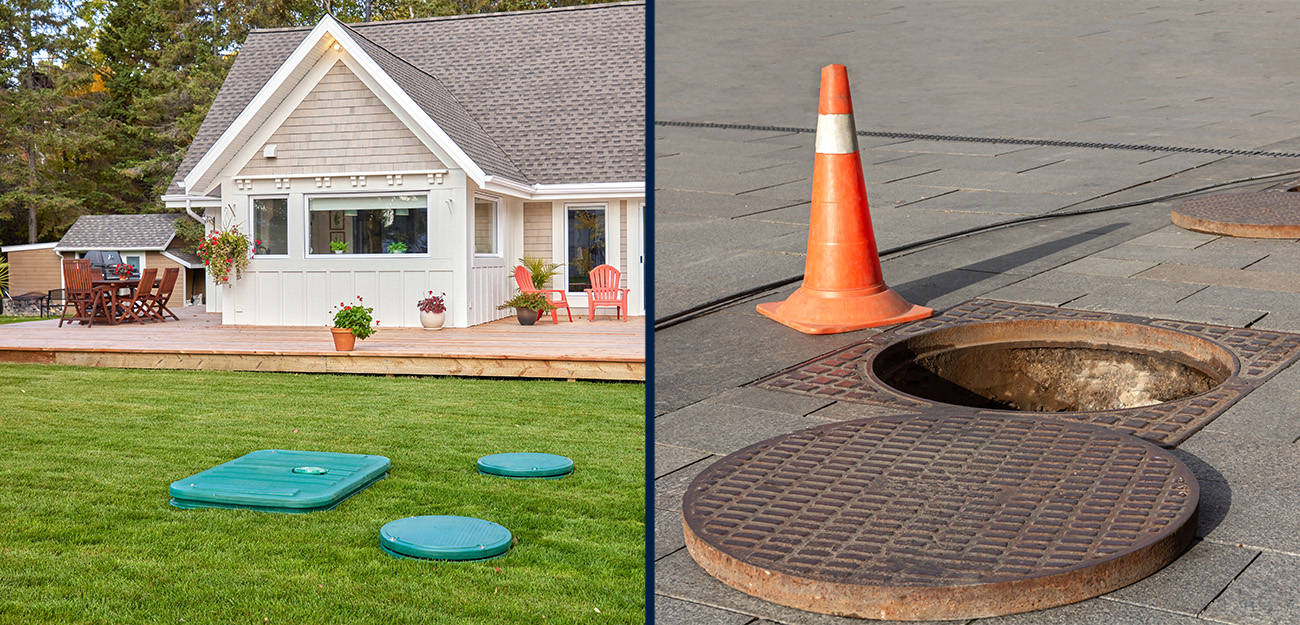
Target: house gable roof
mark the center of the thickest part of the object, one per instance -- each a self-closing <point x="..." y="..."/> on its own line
<point x="555" y="96"/>
<point x="152" y="231"/>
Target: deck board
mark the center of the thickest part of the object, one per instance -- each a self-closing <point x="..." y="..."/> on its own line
<point x="603" y="349"/>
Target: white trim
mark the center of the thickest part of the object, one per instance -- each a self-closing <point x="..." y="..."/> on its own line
<point x="181" y="261"/>
<point x="115" y="249"/>
<point x="567" y="191"/>
<point x="344" y="174"/>
<point x="28" y="246"/>
<point x="201" y="201"/>
<point x="588" y="190"/>
<point x="636" y="257"/>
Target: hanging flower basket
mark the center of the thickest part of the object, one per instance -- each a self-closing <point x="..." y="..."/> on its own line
<point x="226" y="252"/>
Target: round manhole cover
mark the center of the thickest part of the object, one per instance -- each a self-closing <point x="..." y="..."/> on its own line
<point x="920" y="517"/>
<point x="1262" y="215"/>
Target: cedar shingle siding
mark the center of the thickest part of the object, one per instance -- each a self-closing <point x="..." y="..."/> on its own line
<point x="342" y="126"/>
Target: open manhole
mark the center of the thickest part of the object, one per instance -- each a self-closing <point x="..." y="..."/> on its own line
<point x="916" y="517"/>
<point x="1259" y="215"/>
<point x="1052" y="365"/>
<point x="1158" y="379"/>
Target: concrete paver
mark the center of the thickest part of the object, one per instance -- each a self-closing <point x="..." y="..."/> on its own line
<point x="1264" y="593"/>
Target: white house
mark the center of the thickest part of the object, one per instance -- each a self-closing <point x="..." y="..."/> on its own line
<point x="470" y="141"/>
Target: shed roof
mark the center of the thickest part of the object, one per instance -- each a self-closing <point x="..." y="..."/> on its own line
<point x="120" y="232"/>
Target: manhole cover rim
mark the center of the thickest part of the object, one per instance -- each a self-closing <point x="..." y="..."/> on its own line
<point x="885" y="340"/>
<point x="1175" y="422"/>
<point x="831" y="596"/>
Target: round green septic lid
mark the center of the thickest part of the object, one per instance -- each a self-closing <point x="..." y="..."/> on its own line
<point x="445" y="538"/>
<point x="525" y="465"/>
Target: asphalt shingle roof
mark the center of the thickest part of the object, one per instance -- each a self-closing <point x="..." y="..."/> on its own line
<point x="120" y="232"/>
<point x="551" y="96"/>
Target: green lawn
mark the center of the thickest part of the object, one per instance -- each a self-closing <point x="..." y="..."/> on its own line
<point x="6" y="319"/>
<point x="87" y="534"/>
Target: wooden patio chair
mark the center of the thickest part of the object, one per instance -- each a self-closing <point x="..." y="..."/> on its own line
<point x="138" y="304"/>
<point x="157" y="304"/>
<point x="605" y="291"/>
<point x="524" y="279"/>
<point x="80" y="294"/>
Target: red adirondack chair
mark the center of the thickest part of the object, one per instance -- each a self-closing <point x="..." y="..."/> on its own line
<point x="605" y="291"/>
<point x="524" y="279"/>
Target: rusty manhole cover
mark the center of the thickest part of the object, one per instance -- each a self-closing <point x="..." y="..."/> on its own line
<point x="1157" y="379"/>
<point x="916" y="517"/>
<point x="1261" y="215"/>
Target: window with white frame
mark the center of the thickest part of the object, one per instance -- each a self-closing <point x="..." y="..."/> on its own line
<point x="271" y="226"/>
<point x="486" y="225"/>
<point x="368" y="224"/>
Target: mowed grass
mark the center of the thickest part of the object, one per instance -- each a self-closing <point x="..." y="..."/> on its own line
<point x="87" y="534"/>
<point x="11" y="319"/>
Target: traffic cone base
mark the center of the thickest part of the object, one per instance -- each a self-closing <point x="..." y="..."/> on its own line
<point x="832" y="312"/>
<point x="843" y="286"/>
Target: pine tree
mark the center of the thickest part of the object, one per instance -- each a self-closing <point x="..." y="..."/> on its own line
<point x="46" y="121"/>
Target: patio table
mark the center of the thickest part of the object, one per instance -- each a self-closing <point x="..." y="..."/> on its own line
<point x="112" y="288"/>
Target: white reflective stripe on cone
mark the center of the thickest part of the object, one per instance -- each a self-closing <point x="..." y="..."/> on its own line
<point x="836" y="134"/>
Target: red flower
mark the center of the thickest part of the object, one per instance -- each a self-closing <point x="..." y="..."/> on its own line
<point x="359" y="299"/>
<point x="347" y="308"/>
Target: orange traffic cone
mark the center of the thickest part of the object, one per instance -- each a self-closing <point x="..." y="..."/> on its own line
<point x="843" y="287"/>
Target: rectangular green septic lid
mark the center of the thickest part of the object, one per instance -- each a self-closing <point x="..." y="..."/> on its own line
<point x="280" y="480"/>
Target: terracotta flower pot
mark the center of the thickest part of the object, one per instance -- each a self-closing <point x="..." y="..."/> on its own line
<point x="526" y="316"/>
<point x="432" y="321"/>
<point x="344" y="339"/>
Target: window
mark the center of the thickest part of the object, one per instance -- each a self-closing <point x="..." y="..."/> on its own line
<point x="271" y="225"/>
<point x="485" y="227"/>
<point x="134" y="260"/>
<point x="387" y="224"/>
<point x="586" y="235"/>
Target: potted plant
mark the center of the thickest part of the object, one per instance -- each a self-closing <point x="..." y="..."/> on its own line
<point x="433" y="311"/>
<point x="396" y="247"/>
<point x="528" y="306"/>
<point x="339" y="246"/>
<point x="124" y="271"/>
<point x="352" y="322"/>
<point x="541" y="270"/>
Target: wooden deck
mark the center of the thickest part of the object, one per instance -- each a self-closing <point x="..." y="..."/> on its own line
<point x="602" y="350"/>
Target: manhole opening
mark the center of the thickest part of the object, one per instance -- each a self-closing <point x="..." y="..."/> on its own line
<point x="1052" y="365"/>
